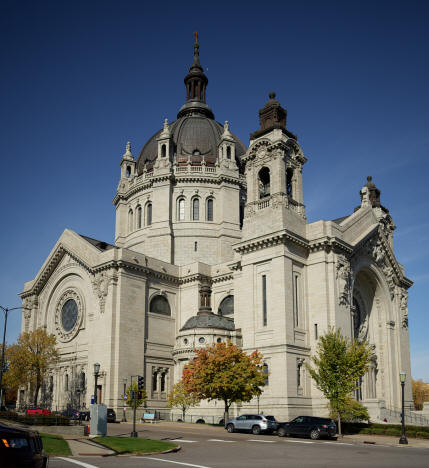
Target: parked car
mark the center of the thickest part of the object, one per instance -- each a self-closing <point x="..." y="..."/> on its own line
<point x="308" y="426"/>
<point x="111" y="415"/>
<point x="36" y="410"/>
<point x="21" y="448"/>
<point x="255" y="423"/>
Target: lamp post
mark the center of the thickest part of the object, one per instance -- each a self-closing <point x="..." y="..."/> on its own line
<point x="6" y="310"/>
<point x="403" y="439"/>
<point x="124" y="417"/>
<point x="96" y="373"/>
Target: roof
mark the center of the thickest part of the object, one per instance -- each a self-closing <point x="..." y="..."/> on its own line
<point x="194" y="136"/>
<point x="339" y="220"/>
<point x="209" y="321"/>
<point x="101" y="245"/>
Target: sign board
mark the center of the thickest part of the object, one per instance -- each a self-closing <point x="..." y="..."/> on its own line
<point x="92" y="399"/>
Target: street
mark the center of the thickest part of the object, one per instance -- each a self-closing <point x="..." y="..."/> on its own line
<point x="212" y="447"/>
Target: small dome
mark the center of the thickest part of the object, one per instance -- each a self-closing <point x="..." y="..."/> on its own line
<point x="209" y="321"/>
<point x="195" y="136"/>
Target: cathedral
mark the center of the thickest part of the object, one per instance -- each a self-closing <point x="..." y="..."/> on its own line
<point x="212" y="243"/>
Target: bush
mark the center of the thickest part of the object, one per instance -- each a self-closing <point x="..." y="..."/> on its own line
<point x="392" y="431"/>
<point x="351" y="411"/>
<point x="37" y="419"/>
<point x="423" y="435"/>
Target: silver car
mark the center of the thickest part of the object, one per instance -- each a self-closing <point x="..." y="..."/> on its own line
<point x="256" y="423"/>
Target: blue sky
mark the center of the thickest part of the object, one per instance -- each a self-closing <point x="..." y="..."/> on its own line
<point x="81" y="78"/>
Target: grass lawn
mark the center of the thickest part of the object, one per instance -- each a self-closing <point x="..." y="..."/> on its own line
<point x="55" y="445"/>
<point x="134" y="445"/>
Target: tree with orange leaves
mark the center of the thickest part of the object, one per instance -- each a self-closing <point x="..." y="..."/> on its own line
<point x="225" y="372"/>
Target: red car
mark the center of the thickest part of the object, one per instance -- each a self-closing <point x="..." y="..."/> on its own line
<point x="33" y="411"/>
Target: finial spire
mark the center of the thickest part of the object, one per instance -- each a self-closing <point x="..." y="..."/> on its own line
<point x="128" y="155"/>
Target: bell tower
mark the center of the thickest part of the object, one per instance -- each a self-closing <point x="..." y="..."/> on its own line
<point x="274" y="164"/>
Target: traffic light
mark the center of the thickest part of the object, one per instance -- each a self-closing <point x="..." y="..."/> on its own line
<point x="139" y="395"/>
<point x="140" y="383"/>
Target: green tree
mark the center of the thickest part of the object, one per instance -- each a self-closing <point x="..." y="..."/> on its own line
<point x="130" y="401"/>
<point x="30" y="359"/>
<point x="180" y="398"/>
<point x="338" y="367"/>
<point x="351" y="411"/>
<point x="224" y="372"/>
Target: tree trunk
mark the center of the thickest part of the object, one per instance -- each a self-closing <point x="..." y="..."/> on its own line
<point x="183" y="413"/>
<point x="36" y="393"/>
<point x="339" y="424"/>
<point x="226" y="412"/>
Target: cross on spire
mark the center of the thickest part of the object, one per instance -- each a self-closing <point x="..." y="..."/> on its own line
<point x="196" y="37"/>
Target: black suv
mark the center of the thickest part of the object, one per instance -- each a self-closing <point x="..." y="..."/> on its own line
<point x="21" y="447"/>
<point x="308" y="426"/>
<point x="111" y="415"/>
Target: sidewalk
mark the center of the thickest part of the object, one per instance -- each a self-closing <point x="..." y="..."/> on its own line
<point x="84" y="446"/>
<point x="384" y="440"/>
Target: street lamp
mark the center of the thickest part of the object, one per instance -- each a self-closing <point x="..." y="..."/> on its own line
<point x="96" y="373"/>
<point x="124" y="417"/>
<point x="5" y="310"/>
<point x="403" y="439"/>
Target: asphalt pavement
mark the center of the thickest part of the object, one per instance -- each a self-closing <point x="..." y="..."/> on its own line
<point x="206" y="446"/>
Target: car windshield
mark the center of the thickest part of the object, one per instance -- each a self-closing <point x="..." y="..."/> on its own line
<point x="270" y="418"/>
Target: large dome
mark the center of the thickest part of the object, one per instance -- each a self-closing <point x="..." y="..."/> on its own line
<point x="195" y="133"/>
<point x="195" y="136"/>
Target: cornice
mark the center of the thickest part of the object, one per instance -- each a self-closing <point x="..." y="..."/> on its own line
<point x="328" y="244"/>
<point x="271" y="240"/>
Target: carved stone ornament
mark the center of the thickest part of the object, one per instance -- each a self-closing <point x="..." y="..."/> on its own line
<point x="344" y="280"/>
<point x="66" y="333"/>
<point x="100" y="285"/>
<point x="404" y="308"/>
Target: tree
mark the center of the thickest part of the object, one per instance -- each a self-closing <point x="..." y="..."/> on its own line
<point x="351" y="411"/>
<point x="180" y="398"/>
<point x="224" y="372"/>
<point x="130" y="401"/>
<point x="420" y="393"/>
<point x="338" y="368"/>
<point x="30" y="359"/>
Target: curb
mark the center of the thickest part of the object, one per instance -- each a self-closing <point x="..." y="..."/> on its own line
<point x="116" y="454"/>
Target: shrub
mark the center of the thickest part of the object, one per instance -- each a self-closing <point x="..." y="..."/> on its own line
<point x="392" y="431"/>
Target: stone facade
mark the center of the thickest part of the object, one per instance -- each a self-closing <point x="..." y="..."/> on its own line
<point x="212" y="243"/>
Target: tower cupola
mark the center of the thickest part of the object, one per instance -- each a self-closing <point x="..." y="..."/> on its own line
<point x="128" y="164"/>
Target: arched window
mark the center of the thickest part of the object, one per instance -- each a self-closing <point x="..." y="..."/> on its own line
<point x="82" y="381"/>
<point x="196" y="209"/>
<point x="226" y="307"/>
<point x="266" y="373"/>
<point x="289" y="177"/>
<point x="228" y="152"/>
<point x="163" y="382"/>
<point x="264" y="182"/>
<point x="66" y="382"/>
<point x="130" y="221"/>
<point x="159" y="305"/>
<point x="51" y="384"/>
<point x="149" y="214"/>
<point x="181" y="209"/>
<point x="163" y="151"/>
<point x="128" y="171"/>
<point x="139" y="217"/>
<point x="155" y="382"/>
<point x="209" y="210"/>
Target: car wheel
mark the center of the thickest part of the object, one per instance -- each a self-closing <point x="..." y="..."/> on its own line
<point x="281" y="432"/>
<point x="256" y="430"/>
<point x="315" y="434"/>
<point x="230" y="428"/>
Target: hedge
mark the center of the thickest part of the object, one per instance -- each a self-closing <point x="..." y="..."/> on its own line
<point x="36" y="419"/>
<point x="385" y="429"/>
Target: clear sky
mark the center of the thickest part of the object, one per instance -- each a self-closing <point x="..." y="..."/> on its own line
<point x="80" y="78"/>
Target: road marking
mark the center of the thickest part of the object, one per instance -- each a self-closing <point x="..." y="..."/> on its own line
<point x="175" y="462"/>
<point x="86" y="465"/>
<point x="183" y="440"/>
<point x="221" y="440"/>
<point x="337" y="443"/>
<point x="300" y="441"/>
<point x="261" y="440"/>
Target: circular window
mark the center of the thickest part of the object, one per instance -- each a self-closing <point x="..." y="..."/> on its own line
<point x="202" y="340"/>
<point x="69" y="314"/>
<point x="185" y="341"/>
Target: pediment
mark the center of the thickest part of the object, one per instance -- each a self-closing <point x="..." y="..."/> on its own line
<point x="70" y="247"/>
